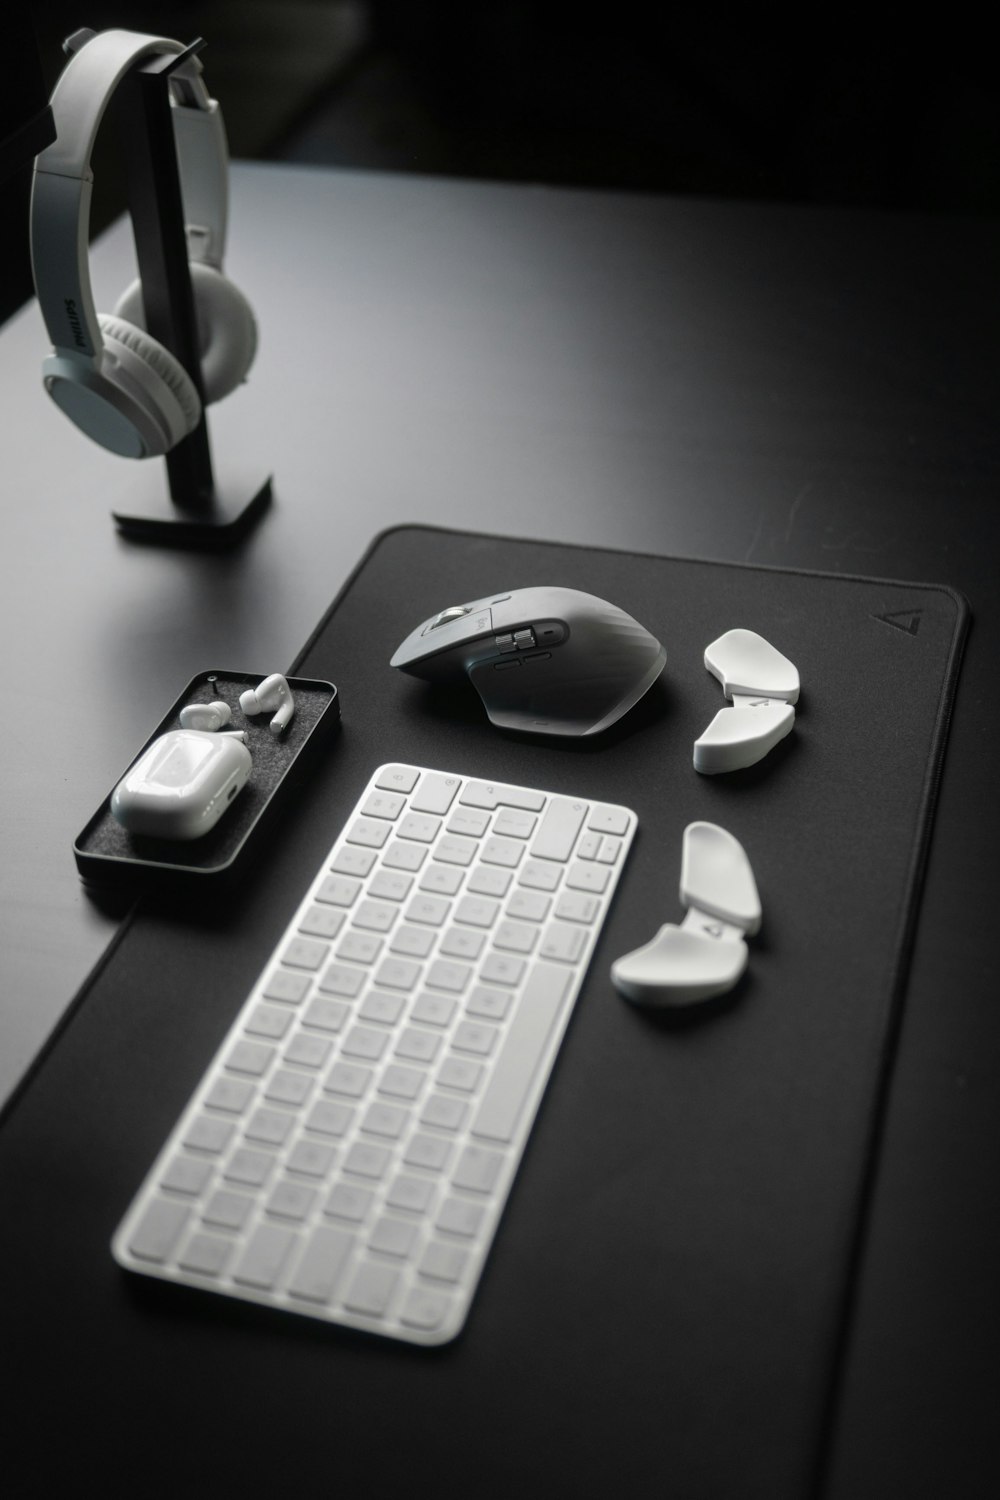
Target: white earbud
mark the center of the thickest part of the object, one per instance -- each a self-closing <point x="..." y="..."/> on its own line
<point x="275" y="693"/>
<point x="205" y="715"/>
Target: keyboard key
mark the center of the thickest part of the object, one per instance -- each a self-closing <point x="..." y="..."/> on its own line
<point x="526" y="1039"/>
<point x="515" y="937"/>
<point x="557" y="832"/>
<point x="418" y="1045"/>
<point x="318" y="922"/>
<point x="230" y="1094"/>
<point x="371" y="1290"/>
<point x="310" y="1159"/>
<point x="364" y="1042"/>
<point x="159" y="1229"/>
<point x="366" y="1160"/>
<point x="477" y="911"/>
<point x="413" y="942"/>
<point x="205" y="1254"/>
<point x="329" y="1118"/>
<point x="339" y="890"/>
<point x="494" y="794"/>
<point x="342" y="979"/>
<point x="353" y="861"/>
<point x="349" y="1079"/>
<point x="383" y="805"/>
<point x="444" y="1112"/>
<point x="382" y="1007"/>
<point x="469" y="821"/>
<point x="291" y="1200"/>
<point x="393" y="1237"/>
<point x="563" y="943"/>
<point x="424" y="1310"/>
<point x="270" y="1127"/>
<point x="400" y="856"/>
<point x="250" y="1057"/>
<point x="428" y="1151"/>
<point x="445" y="975"/>
<point x="443" y="1262"/>
<point x="325" y="1015"/>
<point x="249" y="1168"/>
<point x="459" y="1216"/>
<point x="435" y="794"/>
<point x="397" y="778"/>
<point x="489" y="880"/>
<point x="228" y="1210"/>
<point x="592" y="878"/>
<point x="186" y="1174"/>
<point x="263" y="1256"/>
<point x="411" y="1193"/>
<point x="267" y="1020"/>
<point x="460" y="1073"/>
<point x="477" y="1170"/>
<point x="529" y="906"/>
<point x="577" y="906"/>
<point x="401" y="1083"/>
<point x="513" y="823"/>
<point x="359" y="947"/>
<point x="308" y="1051"/>
<point x="318" y="1271"/>
<point x="434" y="1010"/>
<point x="293" y="987"/>
<point x="349" y="1203"/>
<point x="502" y="852"/>
<point x="539" y="877"/>
<point x="423" y="829"/>
<point x="608" y="819"/>
<point x="369" y="833"/>
<point x="390" y="885"/>
<point x="305" y="953"/>
<point x="441" y="880"/>
<point x="502" y="968"/>
<point x="376" y="916"/>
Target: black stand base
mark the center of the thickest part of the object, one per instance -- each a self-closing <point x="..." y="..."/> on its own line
<point x="219" y="522"/>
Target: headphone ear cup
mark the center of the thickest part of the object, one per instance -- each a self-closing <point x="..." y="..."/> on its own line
<point x="150" y="375"/>
<point x="227" y="328"/>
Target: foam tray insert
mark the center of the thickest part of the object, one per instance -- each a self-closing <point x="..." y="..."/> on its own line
<point x="107" y="853"/>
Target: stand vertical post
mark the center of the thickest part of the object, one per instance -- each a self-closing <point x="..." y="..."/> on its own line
<point x="196" y="512"/>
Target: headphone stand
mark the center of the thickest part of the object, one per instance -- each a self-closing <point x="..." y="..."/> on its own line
<point x="196" y="511"/>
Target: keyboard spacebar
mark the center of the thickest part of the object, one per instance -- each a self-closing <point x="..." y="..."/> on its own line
<point x="543" y="998"/>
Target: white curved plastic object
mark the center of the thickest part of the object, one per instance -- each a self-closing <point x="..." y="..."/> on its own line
<point x="706" y="955"/>
<point x="763" y="685"/>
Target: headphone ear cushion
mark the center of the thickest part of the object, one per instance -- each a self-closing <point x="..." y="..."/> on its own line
<point x="227" y="328"/>
<point x="160" y="369"/>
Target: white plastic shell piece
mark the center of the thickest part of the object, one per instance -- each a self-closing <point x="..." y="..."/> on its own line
<point x="741" y="736"/>
<point x="763" y="685"/>
<point x="745" y="663"/>
<point x="716" y="876"/>
<point x="705" y="955"/>
<point x="679" y="967"/>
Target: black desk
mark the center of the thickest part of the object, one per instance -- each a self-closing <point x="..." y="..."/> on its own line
<point x="812" y="389"/>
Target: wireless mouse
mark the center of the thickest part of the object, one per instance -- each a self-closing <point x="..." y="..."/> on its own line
<point x="545" y="660"/>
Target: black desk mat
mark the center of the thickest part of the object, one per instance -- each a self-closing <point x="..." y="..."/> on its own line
<point x="669" y="1289"/>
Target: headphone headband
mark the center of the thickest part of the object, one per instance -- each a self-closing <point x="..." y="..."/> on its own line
<point x="63" y="180"/>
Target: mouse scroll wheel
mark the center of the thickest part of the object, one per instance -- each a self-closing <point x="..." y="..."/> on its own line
<point x="453" y="612"/>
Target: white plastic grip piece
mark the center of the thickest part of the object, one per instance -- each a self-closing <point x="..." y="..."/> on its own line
<point x="706" y="955"/>
<point x="763" y="685"/>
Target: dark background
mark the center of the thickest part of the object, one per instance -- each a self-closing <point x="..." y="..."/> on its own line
<point x="822" y="109"/>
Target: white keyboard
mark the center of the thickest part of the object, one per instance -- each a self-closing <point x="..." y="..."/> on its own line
<point x="350" y="1149"/>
